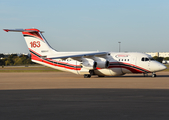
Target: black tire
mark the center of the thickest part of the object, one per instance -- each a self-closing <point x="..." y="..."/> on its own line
<point x="154" y="75"/>
<point x="85" y="76"/>
<point x="89" y="76"/>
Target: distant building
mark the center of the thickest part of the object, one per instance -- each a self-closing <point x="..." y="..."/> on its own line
<point x="158" y="54"/>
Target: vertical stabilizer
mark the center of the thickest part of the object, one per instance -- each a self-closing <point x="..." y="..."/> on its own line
<point x="35" y="41"/>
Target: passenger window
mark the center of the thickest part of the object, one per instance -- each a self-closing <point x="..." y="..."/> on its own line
<point x="119" y="59"/>
<point x="125" y="60"/>
<point x="128" y="59"/>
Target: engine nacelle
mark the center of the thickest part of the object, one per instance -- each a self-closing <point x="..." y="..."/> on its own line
<point x="90" y="65"/>
<point x="102" y="64"/>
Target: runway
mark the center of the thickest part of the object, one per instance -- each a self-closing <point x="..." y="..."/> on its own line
<point x="64" y="96"/>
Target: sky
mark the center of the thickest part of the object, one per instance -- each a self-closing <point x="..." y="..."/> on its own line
<point x="87" y="25"/>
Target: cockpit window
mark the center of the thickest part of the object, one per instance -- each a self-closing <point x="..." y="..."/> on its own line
<point x="144" y="59"/>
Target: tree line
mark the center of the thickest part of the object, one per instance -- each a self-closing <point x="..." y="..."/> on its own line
<point x="14" y="59"/>
<point x="160" y="59"/>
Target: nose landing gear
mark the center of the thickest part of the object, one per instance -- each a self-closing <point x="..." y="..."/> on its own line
<point x="154" y="74"/>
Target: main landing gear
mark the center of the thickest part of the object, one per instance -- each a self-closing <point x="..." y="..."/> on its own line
<point x="87" y="75"/>
<point x="145" y="74"/>
<point x="154" y="74"/>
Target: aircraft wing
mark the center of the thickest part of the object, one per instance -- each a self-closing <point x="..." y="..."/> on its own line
<point x="81" y="55"/>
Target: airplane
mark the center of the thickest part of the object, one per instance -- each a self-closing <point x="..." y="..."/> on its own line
<point x="88" y="63"/>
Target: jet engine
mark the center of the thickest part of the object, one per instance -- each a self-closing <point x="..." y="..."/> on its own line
<point x="91" y="64"/>
<point x="102" y="64"/>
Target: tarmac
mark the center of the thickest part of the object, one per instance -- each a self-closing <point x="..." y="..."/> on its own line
<point x="66" y="96"/>
<point x="65" y="80"/>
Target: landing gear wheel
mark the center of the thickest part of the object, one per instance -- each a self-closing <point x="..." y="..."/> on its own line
<point x="154" y="75"/>
<point x="87" y="76"/>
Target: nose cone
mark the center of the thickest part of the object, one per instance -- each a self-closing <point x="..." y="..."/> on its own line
<point x="162" y="67"/>
<point x="156" y="66"/>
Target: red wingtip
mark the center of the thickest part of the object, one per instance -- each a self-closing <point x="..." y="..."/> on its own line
<point x="6" y="30"/>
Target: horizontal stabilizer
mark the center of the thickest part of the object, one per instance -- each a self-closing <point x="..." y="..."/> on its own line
<point x="22" y="30"/>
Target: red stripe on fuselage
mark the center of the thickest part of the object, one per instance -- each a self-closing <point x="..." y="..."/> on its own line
<point x="136" y="66"/>
<point x="34" y="57"/>
<point x="133" y="68"/>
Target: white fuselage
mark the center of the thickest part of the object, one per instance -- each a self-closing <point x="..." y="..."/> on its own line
<point x="119" y="64"/>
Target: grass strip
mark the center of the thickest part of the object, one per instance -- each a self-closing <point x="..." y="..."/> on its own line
<point x="28" y="69"/>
